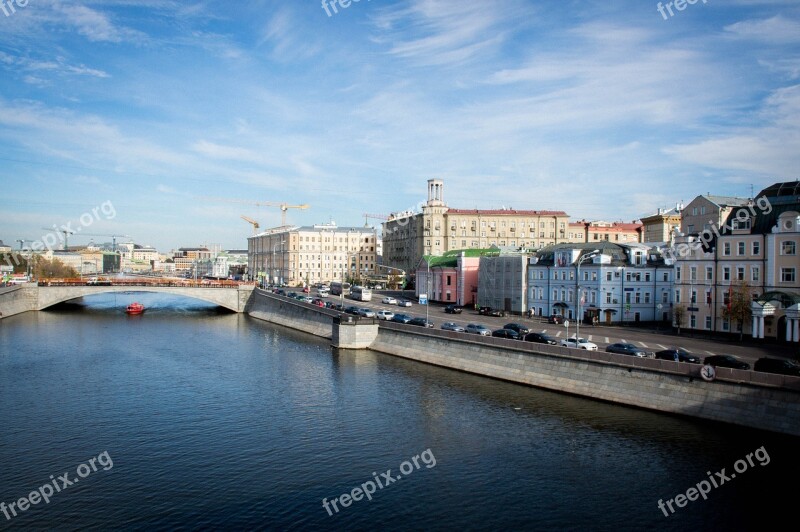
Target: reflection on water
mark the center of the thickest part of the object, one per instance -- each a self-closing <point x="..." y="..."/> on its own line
<point x="217" y="420"/>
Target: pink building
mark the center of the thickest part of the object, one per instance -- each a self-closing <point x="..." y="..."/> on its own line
<point x="452" y="277"/>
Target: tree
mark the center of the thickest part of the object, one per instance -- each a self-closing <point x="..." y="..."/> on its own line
<point x="678" y="315"/>
<point x="738" y="308"/>
<point x="44" y="268"/>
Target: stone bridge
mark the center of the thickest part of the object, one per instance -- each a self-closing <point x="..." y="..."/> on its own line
<point x="14" y="300"/>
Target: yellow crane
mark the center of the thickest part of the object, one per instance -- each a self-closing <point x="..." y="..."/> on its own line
<point x="281" y="205"/>
<point x="251" y="222"/>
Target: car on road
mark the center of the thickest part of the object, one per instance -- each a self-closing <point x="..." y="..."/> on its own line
<point x="401" y="318"/>
<point x="678" y="355"/>
<point x="579" y="343"/>
<point x="489" y="311"/>
<point x="351" y="310"/>
<point x="403" y="303"/>
<point x="506" y="333"/>
<point x="627" y="349"/>
<point x="521" y="329"/>
<point x="389" y="300"/>
<point x="422" y="322"/>
<point x="366" y="312"/>
<point x="540" y="338"/>
<point x="781" y="366"/>
<point x="726" y="361"/>
<point x="556" y="318"/>
<point x="453" y="309"/>
<point x="384" y="315"/>
<point x="450" y="326"/>
<point x="476" y="328"/>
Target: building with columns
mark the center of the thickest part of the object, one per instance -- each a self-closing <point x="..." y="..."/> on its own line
<point x="437" y="229"/>
<point x="754" y="251"/>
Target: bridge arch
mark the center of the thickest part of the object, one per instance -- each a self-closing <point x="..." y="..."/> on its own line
<point x="234" y="298"/>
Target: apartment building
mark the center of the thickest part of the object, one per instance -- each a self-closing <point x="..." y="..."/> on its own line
<point x="616" y="282"/>
<point x="452" y="277"/>
<point x="601" y="231"/>
<point x="312" y="254"/>
<point x="753" y="250"/>
<point x="706" y="212"/>
<point x="503" y="283"/>
<point x="661" y="226"/>
<point x="437" y="229"/>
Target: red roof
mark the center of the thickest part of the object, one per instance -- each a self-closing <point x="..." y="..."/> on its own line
<point x="506" y="212"/>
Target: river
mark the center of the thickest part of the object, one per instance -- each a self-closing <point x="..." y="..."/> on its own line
<point x="191" y="418"/>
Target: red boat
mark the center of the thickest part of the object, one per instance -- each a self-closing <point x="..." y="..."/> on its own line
<point x="135" y="308"/>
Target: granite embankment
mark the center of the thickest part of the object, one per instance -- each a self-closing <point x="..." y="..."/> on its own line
<point x="758" y="400"/>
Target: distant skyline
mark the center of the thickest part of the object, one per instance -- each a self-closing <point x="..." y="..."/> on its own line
<point x="605" y="110"/>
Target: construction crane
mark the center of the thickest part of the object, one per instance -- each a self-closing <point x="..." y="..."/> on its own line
<point x="66" y="233"/>
<point x="251" y="222"/>
<point x="112" y="237"/>
<point x="375" y="217"/>
<point x="281" y="205"/>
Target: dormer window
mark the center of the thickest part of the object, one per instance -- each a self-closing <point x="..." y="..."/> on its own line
<point x="739" y="223"/>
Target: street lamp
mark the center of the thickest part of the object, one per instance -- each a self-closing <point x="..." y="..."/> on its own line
<point x="588" y="256"/>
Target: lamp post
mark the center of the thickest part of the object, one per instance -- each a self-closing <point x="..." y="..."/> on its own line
<point x="588" y="256"/>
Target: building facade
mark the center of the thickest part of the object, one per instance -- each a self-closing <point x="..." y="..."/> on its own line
<point x="313" y="254"/>
<point x="600" y="231"/>
<point x="661" y="226"/>
<point x="706" y="212"/>
<point x="619" y="283"/>
<point x="451" y="278"/>
<point x="409" y="235"/>
<point x="502" y="282"/>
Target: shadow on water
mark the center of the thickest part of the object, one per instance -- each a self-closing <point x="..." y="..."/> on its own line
<point x="155" y="303"/>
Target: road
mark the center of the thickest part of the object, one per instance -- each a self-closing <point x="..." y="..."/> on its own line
<point x="749" y="350"/>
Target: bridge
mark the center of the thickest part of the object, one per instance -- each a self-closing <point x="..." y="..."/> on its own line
<point x="32" y="296"/>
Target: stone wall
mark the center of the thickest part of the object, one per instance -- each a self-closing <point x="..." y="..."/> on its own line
<point x="291" y="313"/>
<point x="759" y="400"/>
<point x="17" y="299"/>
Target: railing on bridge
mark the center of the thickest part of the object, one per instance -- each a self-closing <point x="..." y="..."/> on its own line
<point x="154" y="283"/>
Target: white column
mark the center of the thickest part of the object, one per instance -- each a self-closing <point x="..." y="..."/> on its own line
<point x="754" y="326"/>
<point x="789" y="329"/>
<point x="796" y="335"/>
<point x="761" y="326"/>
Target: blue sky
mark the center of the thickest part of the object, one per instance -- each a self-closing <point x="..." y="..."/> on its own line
<point x="602" y="109"/>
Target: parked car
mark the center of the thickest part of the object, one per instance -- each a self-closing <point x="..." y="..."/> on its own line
<point x="318" y="302"/>
<point x="384" y="315"/>
<point x="556" y="318"/>
<point x="579" y="343"/>
<point x="450" y="326"/>
<point x="366" y="312"/>
<point x="678" y="355"/>
<point x="475" y="328"/>
<point x="489" y="311"/>
<point x="453" y="309"/>
<point x="422" y="322"/>
<point x="403" y="303"/>
<point x="306" y="290"/>
<point x="726" y="361"/>
<point x="506" y="333"/>
<point x="777" y="365"/>
<point x="401" y="318"/>
<point x="521" y="329"/>
<point x="627" y="349"/>
<point x="330" y="304"/>
<point x="351" y="310"/>
<point x="540" y="338"/>
<point x="389" y="300"/>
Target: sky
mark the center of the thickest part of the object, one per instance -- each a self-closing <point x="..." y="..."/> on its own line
<point x="168" y="120"/>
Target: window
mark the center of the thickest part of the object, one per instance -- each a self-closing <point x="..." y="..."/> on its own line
<point x="693" y="321"/>
<point x="726" y="273"/>
<point x="665" y="277"/>
<point x="726" y="298"/>
<point x="665" y="297"/>
<point x="608" y="297"/>
<point x="739" y="223"/>
<point x="694" y="296"/>
<point x="627" y="297"/>
<point x="709" y="273"/>
<point x="647" y="297"/>
<point x="756" y="248"/>
<point x="788" y="247"/>
<point x="755" y="274"/>
<point x="740" y="248"/>
<point x="693" y="273"/>
<point x="677" y="296"/>
<point x="647" y="277"/>
<point x="555" y="294"/>
<point x="608" y="276"/>
<point x="708" y="322"/>
<point x="677" y="273"/>
<point x="787" y="275"/>
<point x="726" y="248"/>
<point x="740" y="273"/>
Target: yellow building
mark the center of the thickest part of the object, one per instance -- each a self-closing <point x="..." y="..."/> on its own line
<point x="312" y="254"/>
<point x="408" y="236"/>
